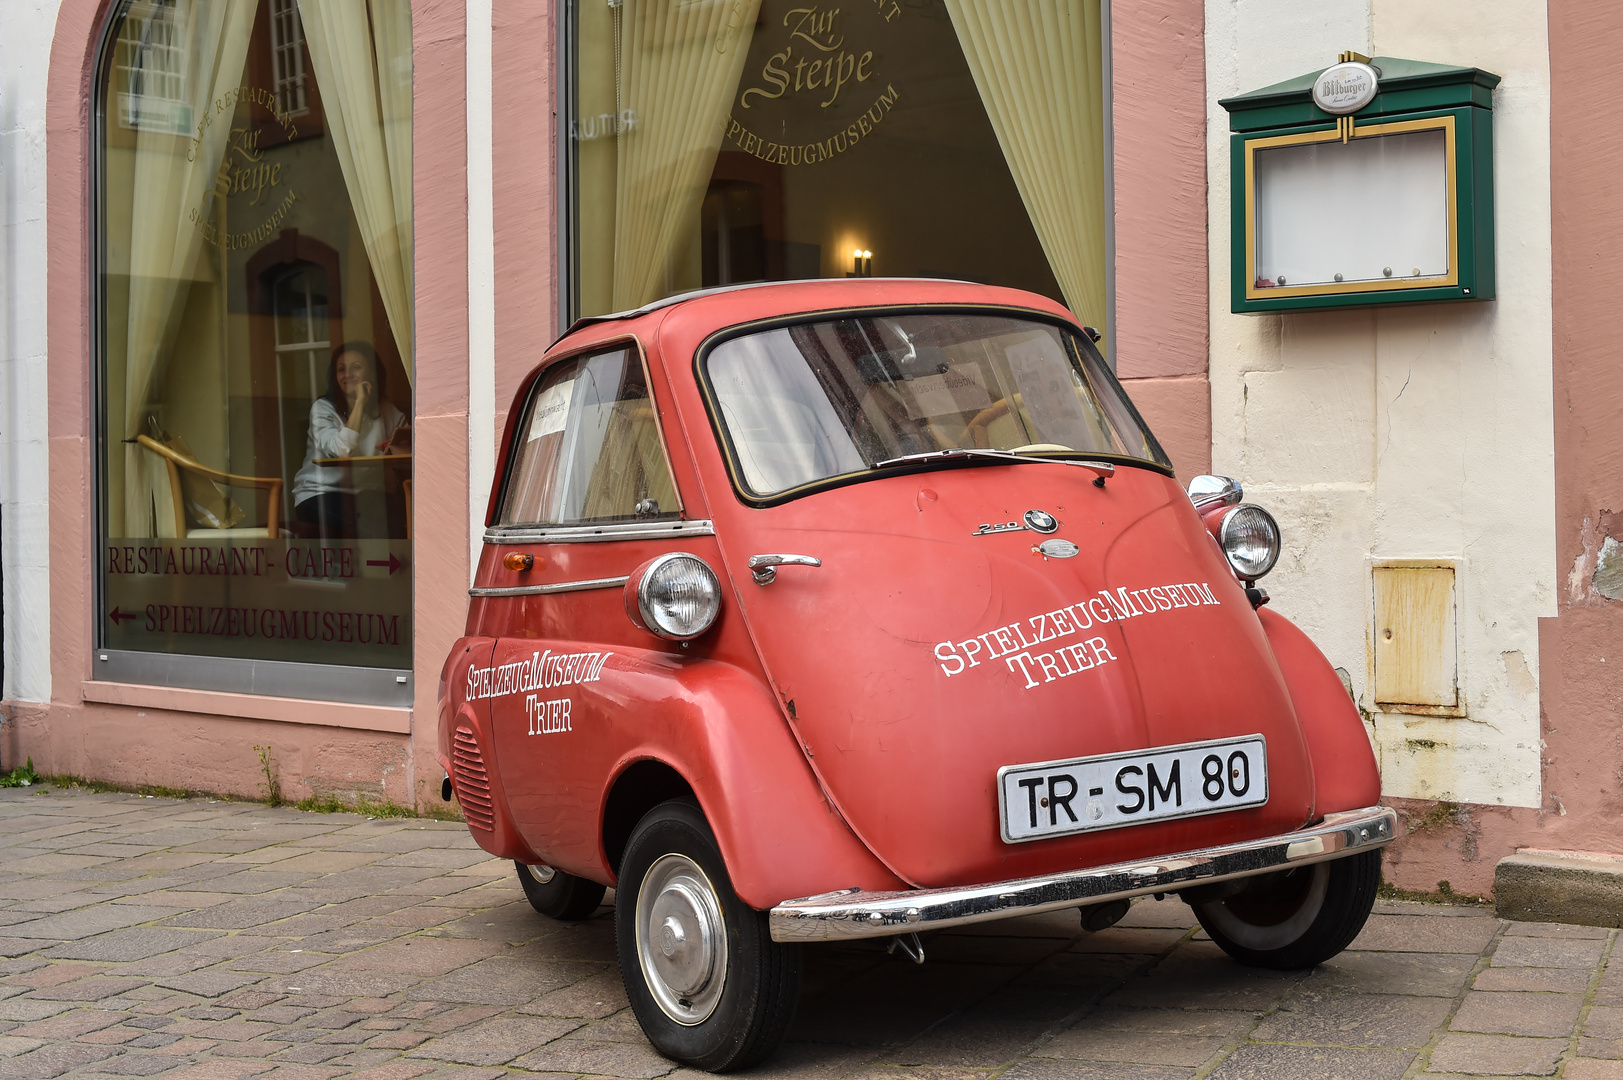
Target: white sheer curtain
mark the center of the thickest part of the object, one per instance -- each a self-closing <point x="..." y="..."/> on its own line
<point x="361" y="52"/>
<point x="170" y="178"/>
<point x="680" y="62"/>
<point x="1037" y="65"/>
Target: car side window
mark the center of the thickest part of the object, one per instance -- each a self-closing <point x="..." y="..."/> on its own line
<point x="588" y="448"/>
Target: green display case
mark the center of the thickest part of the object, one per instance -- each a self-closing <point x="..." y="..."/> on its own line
<point x="1391" y="203"/>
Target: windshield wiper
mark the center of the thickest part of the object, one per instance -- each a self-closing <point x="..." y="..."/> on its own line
<point x="1101" y="468"/>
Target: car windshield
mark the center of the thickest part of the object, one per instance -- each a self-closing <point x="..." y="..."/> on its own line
<point x="820" y="400"/>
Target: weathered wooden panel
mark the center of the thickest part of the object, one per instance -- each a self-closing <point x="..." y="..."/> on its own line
<point x="1415" y="661"/>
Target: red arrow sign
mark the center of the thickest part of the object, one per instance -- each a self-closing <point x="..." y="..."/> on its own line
<point x="118" y="616"/>
<point x="391" y="562"/>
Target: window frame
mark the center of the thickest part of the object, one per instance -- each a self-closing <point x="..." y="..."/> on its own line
<point x="498" y="533"/>
<point x="566" y="54"/>
<point x="294" y="49"/>
<point x="740" y="486"/>
<point x="281" y="679"/>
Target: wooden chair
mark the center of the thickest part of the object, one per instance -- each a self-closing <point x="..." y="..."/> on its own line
<point x="178" y="462"/>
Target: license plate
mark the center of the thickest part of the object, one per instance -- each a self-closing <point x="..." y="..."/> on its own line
<point x="1056" y="798"/>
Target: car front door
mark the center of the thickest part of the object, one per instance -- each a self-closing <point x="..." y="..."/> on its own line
<point x="588" y="495"/>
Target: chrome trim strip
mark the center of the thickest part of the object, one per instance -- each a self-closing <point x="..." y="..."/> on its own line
<point x="555" y="587"/>
<point x="592" y="534"/>
<point x="854" y="914"/>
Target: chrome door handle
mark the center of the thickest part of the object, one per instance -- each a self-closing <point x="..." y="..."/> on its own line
<point x="764" y="567"/>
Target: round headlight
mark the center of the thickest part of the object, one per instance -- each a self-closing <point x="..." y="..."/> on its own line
<point x="1250" y="540"/>
<point x="678" y="596"/>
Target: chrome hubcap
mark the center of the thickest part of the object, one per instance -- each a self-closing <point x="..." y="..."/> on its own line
<point x="542" y="873"/>
<point x="681" y="939"/>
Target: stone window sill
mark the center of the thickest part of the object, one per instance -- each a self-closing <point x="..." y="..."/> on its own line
<point x="250" y="707"/>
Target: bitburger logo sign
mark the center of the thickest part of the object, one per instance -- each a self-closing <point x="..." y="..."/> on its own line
<point x="1346" y="88"/>
<point x="813" y="87"/>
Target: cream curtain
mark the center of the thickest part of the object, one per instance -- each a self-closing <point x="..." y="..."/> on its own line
<point x="1037" y="65"/>
<point x="361" y="52"/>
<point x="169" y="182"/>
<point x="680" y="62"/>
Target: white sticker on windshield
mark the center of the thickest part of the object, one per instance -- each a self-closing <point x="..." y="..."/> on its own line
<point x="552" y="409"/>
<point x="951" y="393"/>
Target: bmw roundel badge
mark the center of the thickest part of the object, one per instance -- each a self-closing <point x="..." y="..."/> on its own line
<point x="1040" y="521"/>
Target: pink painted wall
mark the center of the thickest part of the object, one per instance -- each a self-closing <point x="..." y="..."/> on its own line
<point x="525" y="165"/>
<point x="204" y="742"/>
<point x="1581" y="649"/>
<point x="440" y="520"/>
<point x="1158" y="59"/>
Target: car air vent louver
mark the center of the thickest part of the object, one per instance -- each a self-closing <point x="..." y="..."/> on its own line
<point x="472" y="781"/>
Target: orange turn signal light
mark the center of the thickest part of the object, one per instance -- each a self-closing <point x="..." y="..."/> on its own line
<point x="518" y="561"/>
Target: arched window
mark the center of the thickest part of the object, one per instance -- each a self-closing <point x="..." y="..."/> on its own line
<point x="291" y="360"/>
<point x="299" y="308"/>
<point x="255" y="371"/>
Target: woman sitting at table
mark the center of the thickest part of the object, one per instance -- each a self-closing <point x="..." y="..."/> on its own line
<point x="353" y="420"/>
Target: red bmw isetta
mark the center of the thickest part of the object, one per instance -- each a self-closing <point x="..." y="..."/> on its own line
<point x="864" y="608"/>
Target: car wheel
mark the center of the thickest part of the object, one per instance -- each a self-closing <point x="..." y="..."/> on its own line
<point x="558" y="895"/>
<point x="1296" y="918"/>
<point x="707" y="982"/>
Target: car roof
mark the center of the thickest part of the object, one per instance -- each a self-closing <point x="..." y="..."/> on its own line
<point x="785" y="297"/>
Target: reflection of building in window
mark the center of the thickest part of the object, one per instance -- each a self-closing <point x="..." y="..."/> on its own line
<point x="742" y="230"/>
<point x="734" y="241"/>
<point x="299" y="310"/>
<point x="287" y="49"/>
<point x="149" y="69"/>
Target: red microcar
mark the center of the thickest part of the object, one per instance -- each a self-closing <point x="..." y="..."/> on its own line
<point x="841" y="609"/>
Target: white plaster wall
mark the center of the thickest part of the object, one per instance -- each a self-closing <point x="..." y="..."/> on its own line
<point x="1418" y="433"/>
<point x="26" y="29"/>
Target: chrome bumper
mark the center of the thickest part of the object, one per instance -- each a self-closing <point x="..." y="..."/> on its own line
<point x="853" y="913"/>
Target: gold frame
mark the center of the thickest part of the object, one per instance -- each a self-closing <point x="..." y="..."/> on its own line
<point x="1344" y="131"/>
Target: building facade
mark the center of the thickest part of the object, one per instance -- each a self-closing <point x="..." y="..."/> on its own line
<point x="274" y="270"/>
<point x="1461" y="441"/>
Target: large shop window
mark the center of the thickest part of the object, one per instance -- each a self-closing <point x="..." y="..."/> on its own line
<point x="720" y="141"/>
<point x="255" y="378"/>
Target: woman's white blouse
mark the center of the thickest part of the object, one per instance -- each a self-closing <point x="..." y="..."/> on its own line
<point x="331" y="436"/>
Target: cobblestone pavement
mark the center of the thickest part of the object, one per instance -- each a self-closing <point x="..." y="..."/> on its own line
<point x="195" y="939"/>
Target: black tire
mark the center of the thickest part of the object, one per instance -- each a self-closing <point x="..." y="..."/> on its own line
<point x="715" y="1000"/>
<point x="562" y="896"/>
<point x="1295" y="918"/>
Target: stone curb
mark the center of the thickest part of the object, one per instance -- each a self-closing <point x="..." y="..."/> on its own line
<point x="1578" y="888"/>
